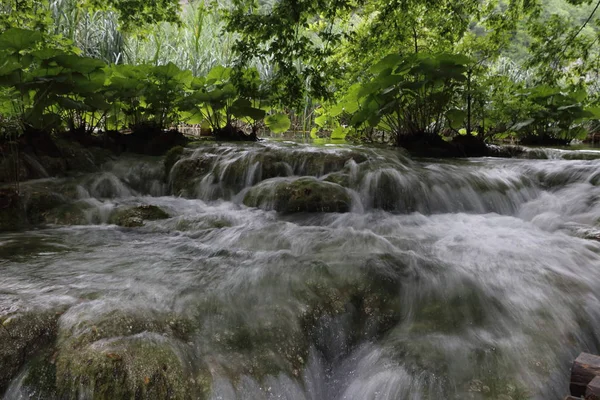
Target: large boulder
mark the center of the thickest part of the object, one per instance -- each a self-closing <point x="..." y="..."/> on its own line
<point x="298" y="195"/>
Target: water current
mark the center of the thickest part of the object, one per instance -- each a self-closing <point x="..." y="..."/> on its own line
<point x="465" y="279"/>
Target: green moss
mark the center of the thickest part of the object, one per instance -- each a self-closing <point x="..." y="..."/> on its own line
<point x="135" y="216"/>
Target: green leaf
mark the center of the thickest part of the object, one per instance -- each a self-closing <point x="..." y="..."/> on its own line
<point x="520" y="125"/>
<point x="456" y="118"/>
<point x="17" y="39"/>
<point x="387" y="62"/>
<point x="242" y="108"/>
<point x="338" y="133"/>
<point x="278" y="123"/>
<point x="322" y="120"/>
<point x="84" y="65"/>
<point x="218" y="74"/>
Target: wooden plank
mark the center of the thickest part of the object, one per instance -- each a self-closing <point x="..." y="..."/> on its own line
<point x="585" y="368"/>
<point x="593" y="389"/>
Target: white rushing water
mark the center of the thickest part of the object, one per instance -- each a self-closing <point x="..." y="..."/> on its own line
<point x="472" y="279"/>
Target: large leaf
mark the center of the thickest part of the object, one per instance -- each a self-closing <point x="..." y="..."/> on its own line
<point x="84" y="65"/>
<point x="218" y="74"/>
<point x="520" y="125"/>
<point x="242" y="108"/>
<point x="278" y="123"/>
<point x="17" y="39"/>
<point x="387" y="62"/>
<point x="456" y="118"/>
<point x="322" y="120"/>
<point x="339" y="133"/>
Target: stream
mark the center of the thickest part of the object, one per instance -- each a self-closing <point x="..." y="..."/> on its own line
<point x="462" y="279"/>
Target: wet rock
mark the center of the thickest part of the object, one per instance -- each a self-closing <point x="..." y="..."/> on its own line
<point x="135" y="216"/>
<point x="171" y="158"/>
<point x="12" y="170"/>
<point x="40" y="201"/>
<point x="299" y="195"/>
<point x="12" y="212"/>
<point x="186" y="173"/>
<point x="68" y="214"/>
<point x="54" y="166"/>
<point x="22" y="336"/>
<point x="122" y="355"/>
<point x="339" y="178"/>
<point x="78" y="158"/>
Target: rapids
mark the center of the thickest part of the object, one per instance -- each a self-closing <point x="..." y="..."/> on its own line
<point x="465" y="279"/>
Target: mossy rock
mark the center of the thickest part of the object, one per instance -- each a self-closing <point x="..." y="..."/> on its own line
<point x="9" y="168"/>
<point x="21" y="336"/>
<point x="78" y="158"/>
<point x="54" y="166"/>
<point x="580" y="155"/>
<point x="300" y="195"/>
<point x="144" y="366"/>
<point x="186" y="173"/>
<point x="68" y="214"/>
<point x="171" y="158"/>
<point x="339" y="178"/>
<point x="40" y="201"/>
<point x="12" y="212"/>
<point x="122" y="354"/>
<point x="135" y="216"/>
<point x="535" y="154"/>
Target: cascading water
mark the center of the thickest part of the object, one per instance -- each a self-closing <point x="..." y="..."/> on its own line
<point x="437" y="280"/>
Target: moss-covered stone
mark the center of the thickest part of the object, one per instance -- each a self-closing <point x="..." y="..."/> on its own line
<point x="12" y="212"/>
<point x="68" y="214"/>
<point x="141" y="367"/>
<point x="186" y="173"/>
<point x="21" y="336"/>
<point x="39" y="202"/>
<point x="135" y="216"/>
<point x="581" y="155"/>
<point x="300" y="195"/>
<point x="122" y="355"/>
<point x="171" y="158"/>
<point x="11" y="169"/>
<point x="339" y="178"/>
<point x="77" y="157"/>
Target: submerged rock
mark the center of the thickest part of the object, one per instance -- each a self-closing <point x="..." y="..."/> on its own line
<point x="135" y="216"/>
<point x="299" y="195"/>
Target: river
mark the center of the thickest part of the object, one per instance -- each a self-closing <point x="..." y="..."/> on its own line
<point x="465" y="279"/>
